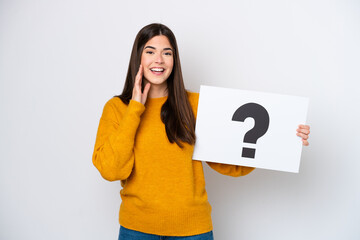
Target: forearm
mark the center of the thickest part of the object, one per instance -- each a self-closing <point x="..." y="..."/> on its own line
<point x="230" y="170"/>
<point x="113" y="153"/>
<point x="114" y="158"/>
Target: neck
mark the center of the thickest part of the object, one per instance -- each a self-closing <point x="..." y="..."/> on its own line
<point x="157" y="91"/>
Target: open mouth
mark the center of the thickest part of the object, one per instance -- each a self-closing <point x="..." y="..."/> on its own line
<point x="157" y="70"/>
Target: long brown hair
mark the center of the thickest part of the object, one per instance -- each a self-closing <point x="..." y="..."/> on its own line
<point x="176" y="112"/>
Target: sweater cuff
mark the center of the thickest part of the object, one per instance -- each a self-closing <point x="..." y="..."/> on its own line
<point x="136" y="107"/>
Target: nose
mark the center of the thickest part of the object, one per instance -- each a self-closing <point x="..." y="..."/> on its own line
<point x="159" y="59"/>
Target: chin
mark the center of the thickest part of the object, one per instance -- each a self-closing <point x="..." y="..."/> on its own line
<point x="156" y="81"/>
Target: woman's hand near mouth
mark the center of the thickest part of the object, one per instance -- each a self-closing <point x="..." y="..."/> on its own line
<point x="137" y="95"/>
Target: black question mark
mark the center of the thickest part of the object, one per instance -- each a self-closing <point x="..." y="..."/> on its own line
<point x="262" y="120"/>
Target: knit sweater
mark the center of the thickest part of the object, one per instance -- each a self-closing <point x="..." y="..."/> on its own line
<point x="163" y="188"/>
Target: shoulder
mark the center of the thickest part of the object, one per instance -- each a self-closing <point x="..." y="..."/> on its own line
<point x="115" y="102"/>
<point x="193" y="96"/>
<point x="114" y="109"/>
<point x="194" y="100"/>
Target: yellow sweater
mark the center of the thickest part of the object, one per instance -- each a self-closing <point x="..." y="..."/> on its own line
<point x="163" y="188"/>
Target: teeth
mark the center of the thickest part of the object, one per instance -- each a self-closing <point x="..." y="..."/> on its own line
<point x="157" y="69"/>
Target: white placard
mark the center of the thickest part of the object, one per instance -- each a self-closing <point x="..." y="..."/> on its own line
<point x="221" y="135"/>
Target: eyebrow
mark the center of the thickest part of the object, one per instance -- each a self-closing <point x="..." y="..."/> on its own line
<point x="155" y="48"/>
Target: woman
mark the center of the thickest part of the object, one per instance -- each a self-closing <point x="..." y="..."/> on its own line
<point x="146" y="139"/>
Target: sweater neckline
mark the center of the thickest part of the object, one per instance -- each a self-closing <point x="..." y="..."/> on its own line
<point x="156" y="100"/>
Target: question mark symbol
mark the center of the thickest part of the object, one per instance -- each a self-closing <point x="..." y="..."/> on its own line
<point x="262" y="120"/>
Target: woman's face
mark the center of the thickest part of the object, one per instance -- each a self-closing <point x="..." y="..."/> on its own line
<point x="157" y="60"/>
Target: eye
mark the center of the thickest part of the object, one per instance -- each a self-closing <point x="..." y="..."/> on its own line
<point x="149" y="52"/>
<point x="168" y="53"/>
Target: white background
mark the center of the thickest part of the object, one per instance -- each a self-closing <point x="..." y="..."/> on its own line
<point x="60" y="61"/>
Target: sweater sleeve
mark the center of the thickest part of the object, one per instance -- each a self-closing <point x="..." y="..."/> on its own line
<point x="113" y="152"/>
<point x="225" y="169"/>
<point x="230" y="170"/>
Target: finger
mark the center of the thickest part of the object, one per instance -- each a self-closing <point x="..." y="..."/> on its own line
<point x="305" y="142"/>
<point x="302" y="126"/>
<point x="303" y="136"/>
<point x="141" y="69"/>
<point x="303" y="130"/>
<point x="145" y="93"/>
<point x="138" y="77"/>
<point x="136" y="93"/>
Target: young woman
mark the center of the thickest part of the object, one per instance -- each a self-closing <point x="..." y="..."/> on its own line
<point x="146" y="139"/>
